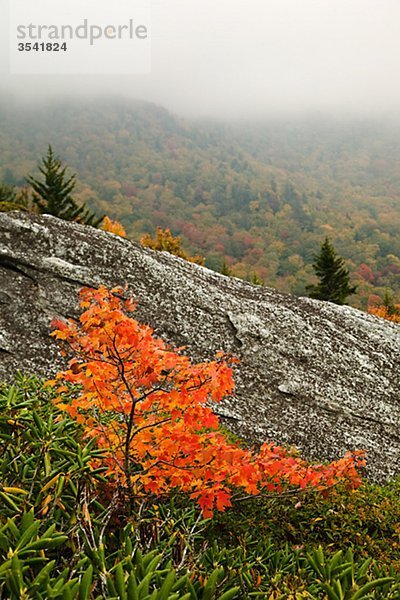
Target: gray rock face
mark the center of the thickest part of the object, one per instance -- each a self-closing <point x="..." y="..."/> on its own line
<point x="323" y="377"/>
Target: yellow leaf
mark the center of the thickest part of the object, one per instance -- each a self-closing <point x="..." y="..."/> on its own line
<point x="47" y="501"/>
<point x="14" y="490"/>
<point x="52" y="481"/>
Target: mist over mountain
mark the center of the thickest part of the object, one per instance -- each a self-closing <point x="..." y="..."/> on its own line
<point x="257" y="57"/>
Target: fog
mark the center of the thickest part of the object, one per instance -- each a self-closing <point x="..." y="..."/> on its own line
<point x="241" y="58"/>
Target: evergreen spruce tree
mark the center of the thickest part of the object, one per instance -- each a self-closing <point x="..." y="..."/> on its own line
<point x="53" y="195"/>
<point x="334" y="278"/>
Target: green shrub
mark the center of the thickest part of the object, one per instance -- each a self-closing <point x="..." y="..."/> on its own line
<point x="366" y="520"/>
<point x="43" y="455"/>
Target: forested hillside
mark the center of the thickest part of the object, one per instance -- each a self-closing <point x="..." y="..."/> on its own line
<point x="261" y="196"/>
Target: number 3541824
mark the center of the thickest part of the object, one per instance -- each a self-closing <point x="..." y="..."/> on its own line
<point x="42" y="47"/>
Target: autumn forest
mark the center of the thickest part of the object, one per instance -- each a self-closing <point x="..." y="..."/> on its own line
<point x="255" y="197"/>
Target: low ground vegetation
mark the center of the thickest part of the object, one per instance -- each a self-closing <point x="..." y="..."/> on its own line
<point x="64" y="535"/>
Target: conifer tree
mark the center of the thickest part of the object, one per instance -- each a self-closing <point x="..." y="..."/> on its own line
<point x="334" y="278"/>
<point x="53" y="195"/>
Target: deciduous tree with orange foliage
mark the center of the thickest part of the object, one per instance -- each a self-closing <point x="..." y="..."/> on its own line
<point x="383" y="313"/>
<point x="165" y="241"/>
<point x="114" y="227"/>
<point x="388" y="310"/>
<point x="150" y="408"/>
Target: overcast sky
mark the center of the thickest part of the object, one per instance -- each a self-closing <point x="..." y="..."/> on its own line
<point x="253" y="57"/>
